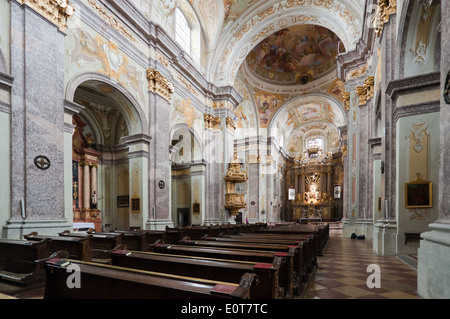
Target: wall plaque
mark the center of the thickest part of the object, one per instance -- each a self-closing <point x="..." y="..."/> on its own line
<point x="42" y="162"/>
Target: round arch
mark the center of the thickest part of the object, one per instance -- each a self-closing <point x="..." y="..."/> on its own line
<point x="309" y="98"/>
<point x="185" y="127"/>
<point x="135" y="117"/>
<point x="249" y="29"/>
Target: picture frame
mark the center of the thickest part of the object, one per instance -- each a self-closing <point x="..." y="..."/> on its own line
<point x="196" y="208"/>
<point x="419" y="194"/>
<point x="123" y="201"/>
<point x="135" y="204"/>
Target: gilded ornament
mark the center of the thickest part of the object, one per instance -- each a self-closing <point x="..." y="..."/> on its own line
<point x="159" y="84"/>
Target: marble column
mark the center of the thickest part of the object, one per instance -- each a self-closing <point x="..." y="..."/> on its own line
<point x="37" y="65"/>
<point x="160" y="92"/>
<point x="433" y="280"/>
<point x="212" y="156"/>
<point x="86" y="187"/>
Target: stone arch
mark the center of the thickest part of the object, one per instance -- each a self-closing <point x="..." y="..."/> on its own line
<point x="117" y="167"/>
<point x="416" y="56"/>
<point x="252" y="27"/>
<point x="136" y="119"/>
<point x="197" y="139"/>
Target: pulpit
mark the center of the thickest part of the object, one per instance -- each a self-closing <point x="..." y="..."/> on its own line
<point x="234" y="201"/>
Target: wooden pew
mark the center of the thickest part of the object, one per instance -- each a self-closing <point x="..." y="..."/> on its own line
<point x="133" y="240"/>
<point x="308" y="242"/>
<point x="295" y="249"/>
<point x="20" y="260"/>
<point x="308" y="260"/>
<point x="207" y="268"/>
<point x="322" y="232"/>
<point x="100" y="281"/>
<point x="101" y="244"/>
<point x="287" y="273"/>
<point x="78" y="248"/>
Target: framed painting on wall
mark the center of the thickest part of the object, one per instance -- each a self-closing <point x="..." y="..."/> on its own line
<point x="419" y="194"/>
<point x="135" y="204"/>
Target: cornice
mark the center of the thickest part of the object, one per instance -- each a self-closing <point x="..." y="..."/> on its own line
<point x="413" y="84"/>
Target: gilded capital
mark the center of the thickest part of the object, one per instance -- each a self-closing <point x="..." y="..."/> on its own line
<point x="346" y="100"/>
<point x="230" y="123"/>
<point x="159" y="84"/>
<point x="56" y="11"/>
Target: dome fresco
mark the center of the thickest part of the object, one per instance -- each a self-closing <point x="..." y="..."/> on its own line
<point x="295" y="55"/>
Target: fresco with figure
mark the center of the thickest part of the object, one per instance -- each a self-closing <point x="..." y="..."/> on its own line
<point x="297" y="54"/>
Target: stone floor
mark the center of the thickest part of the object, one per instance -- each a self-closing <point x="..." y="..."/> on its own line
<point x="342" y="273"/>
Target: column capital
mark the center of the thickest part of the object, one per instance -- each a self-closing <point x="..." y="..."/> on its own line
<point x="55" y="11"/>
<point x="159" y="84"/>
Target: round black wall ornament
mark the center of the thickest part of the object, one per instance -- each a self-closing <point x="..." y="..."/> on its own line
<point x="42" y="162"/>
<point x="161" y="184"/>
<point x="447" y="89"/>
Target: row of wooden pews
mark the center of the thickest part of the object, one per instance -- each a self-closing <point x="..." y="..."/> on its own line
<point x="221" y="261"/>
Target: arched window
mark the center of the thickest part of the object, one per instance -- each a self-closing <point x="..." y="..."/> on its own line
<point x="315" y="142"/>
<point x="182" y="31"/>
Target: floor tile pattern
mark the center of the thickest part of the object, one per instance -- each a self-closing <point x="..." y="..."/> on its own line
<point x="343" y="273"/>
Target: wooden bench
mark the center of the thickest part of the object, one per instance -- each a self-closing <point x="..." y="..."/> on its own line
<point x="295" y="250"/>
<point x="20" y="260"/>
<point x="308" y="242"/>
<point x="101" y="244"/>
<point x="286" y="273"/>
<point x="100" y="281"/>
<point x="267" y="286"/>
<point x="78" y="247"/>
<point x="134" y="240"/>
<point x="308" y="260"/>
<point x="322" y="232"/>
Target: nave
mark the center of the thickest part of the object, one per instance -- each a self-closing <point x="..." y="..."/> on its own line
<point x="341" y="274"/>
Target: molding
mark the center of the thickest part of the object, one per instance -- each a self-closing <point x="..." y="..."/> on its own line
<point x="72" y="108"/>
<point x="416" y="109"/>
<point x="136" y="139"/>
<point x="6" y="80"/>
<point x="412" y="84"/>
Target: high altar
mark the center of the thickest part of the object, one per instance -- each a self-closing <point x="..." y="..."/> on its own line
<point x="315" y="176"/>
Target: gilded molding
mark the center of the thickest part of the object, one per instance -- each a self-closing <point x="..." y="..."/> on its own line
<point x="384" y="9"/>
<point x="230" y="124"/>
<point x="188" y="86"/>
<point x="211" y="122"/>
<point x="56" y="11"/>
<point x="346" y="100"/>
<point x="365" y="92"/>
<point x="113" y="22"/>
<point x="159" y="84"/>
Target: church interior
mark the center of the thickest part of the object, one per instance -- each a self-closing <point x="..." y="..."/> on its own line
<point x="230" y="149"/>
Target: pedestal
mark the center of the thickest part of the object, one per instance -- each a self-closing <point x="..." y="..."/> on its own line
<point x="385" y="237"/>
<point x="433" y="263"/>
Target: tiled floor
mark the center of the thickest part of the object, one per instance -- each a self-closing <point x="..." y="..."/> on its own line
<point x="342" y="273"/>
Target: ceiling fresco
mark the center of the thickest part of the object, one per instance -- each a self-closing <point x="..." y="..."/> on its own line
<point x="295" y="55"/>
